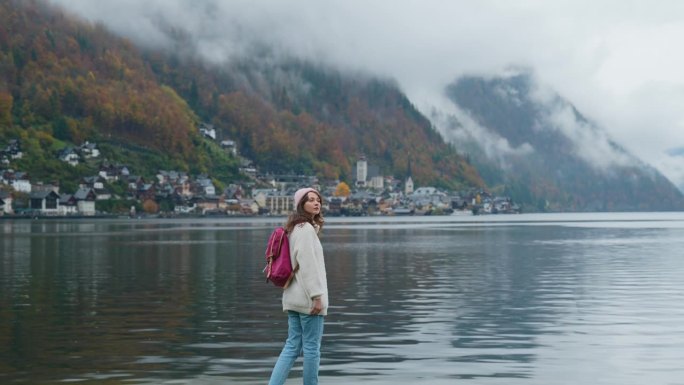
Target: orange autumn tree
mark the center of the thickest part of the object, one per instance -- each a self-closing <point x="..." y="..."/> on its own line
<point x="342" y="190"/>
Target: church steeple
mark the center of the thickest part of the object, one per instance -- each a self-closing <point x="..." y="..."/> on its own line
<point x="408" y="185"/>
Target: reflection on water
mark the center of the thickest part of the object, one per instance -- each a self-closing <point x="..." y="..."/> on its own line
<point x="562" y="299"/>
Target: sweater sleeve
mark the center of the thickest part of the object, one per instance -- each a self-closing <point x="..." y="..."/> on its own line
<point x="304" y="242"/>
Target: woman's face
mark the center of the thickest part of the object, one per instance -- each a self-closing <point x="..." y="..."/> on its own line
<point x="312" y="204"/>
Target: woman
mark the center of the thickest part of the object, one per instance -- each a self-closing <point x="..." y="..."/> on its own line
<point x="306" y="298"/>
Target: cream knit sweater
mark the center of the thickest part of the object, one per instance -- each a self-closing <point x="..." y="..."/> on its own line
<point x="310" y="280"/>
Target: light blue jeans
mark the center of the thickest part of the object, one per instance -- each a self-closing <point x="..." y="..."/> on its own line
<point x="304" y="334"/>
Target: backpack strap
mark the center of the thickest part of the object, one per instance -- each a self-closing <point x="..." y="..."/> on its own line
<point x="291" y="277"/>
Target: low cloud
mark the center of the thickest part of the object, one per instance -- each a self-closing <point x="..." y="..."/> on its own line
<point x="674" y="163"/>
<point x="616" y="63"/>
<point x="458" y="127"/>
<point x="591" y="143"/>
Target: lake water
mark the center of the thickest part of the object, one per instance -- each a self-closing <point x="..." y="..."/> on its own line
<point x="518" y="299"/>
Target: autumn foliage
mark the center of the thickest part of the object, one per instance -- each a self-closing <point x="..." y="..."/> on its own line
<point x="56" y="67"/>
<point x="342" y="190"/>
<point x="76" y="81"/>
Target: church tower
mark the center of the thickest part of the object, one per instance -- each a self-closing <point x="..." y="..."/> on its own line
<point x="408" y="185"/>
<point x="361" y="172"/>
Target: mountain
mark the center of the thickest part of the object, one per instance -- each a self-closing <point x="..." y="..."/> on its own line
<point x="64" y="81"/>
<point x="677" y="153"/>
<point x="293" y="116"/>
<point x="535" y="146"/>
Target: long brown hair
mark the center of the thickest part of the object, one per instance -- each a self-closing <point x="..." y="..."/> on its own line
<point x="300" y="216"/>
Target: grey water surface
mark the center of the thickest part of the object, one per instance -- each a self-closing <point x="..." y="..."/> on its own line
<point x="510" y="299"/>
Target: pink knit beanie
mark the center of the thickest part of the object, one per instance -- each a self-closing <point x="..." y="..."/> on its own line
<point x="301" y="193"/>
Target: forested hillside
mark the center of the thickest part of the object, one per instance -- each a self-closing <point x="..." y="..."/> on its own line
<point x="292" y="116"/>
<point x="64" y="81"/>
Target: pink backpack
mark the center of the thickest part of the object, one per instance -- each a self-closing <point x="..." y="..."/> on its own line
<point x="278" y="265"/>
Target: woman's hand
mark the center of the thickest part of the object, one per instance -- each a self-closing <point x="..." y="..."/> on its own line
<point x="317" y="306"/>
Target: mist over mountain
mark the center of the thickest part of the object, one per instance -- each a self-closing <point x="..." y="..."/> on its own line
<point x="530" y="143"/>
<point x="677" y="154"/>
<point x="64" y="81"/>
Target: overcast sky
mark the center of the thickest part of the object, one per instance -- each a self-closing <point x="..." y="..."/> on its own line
<point x="619" y="62"/>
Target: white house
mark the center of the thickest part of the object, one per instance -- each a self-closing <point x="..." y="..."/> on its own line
<point x="21" y="182"/>
<point x="46" y="202"/>
<point x="13" y="150"/>
<point x="67" y="205"/>
<point x="426" y="191"/>
<point x="113" y="173"/>
<point x="274" y="201"/>
<point x="430" y="197"/>
<point x="70" y="156"/>
<point x="374" y="179"/>
<point x="85" y="201"/>
<point x="229" y="146"/>
<point x="250" y="171"/>
<point x="279" y="204"/>
<point x="208" y="130"/>
<point x="5" y="203"/>
<point x="90" y="150"/>
<point x="207" y="186"/>
<point x="184" y="208"/>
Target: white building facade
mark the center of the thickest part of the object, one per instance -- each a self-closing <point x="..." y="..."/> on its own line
<point x="361" y="172"/>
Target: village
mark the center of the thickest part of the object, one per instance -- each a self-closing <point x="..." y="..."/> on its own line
<point x="175" y="193"/>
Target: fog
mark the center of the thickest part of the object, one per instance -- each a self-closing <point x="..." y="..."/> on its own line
<point x="616" y="61"/>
